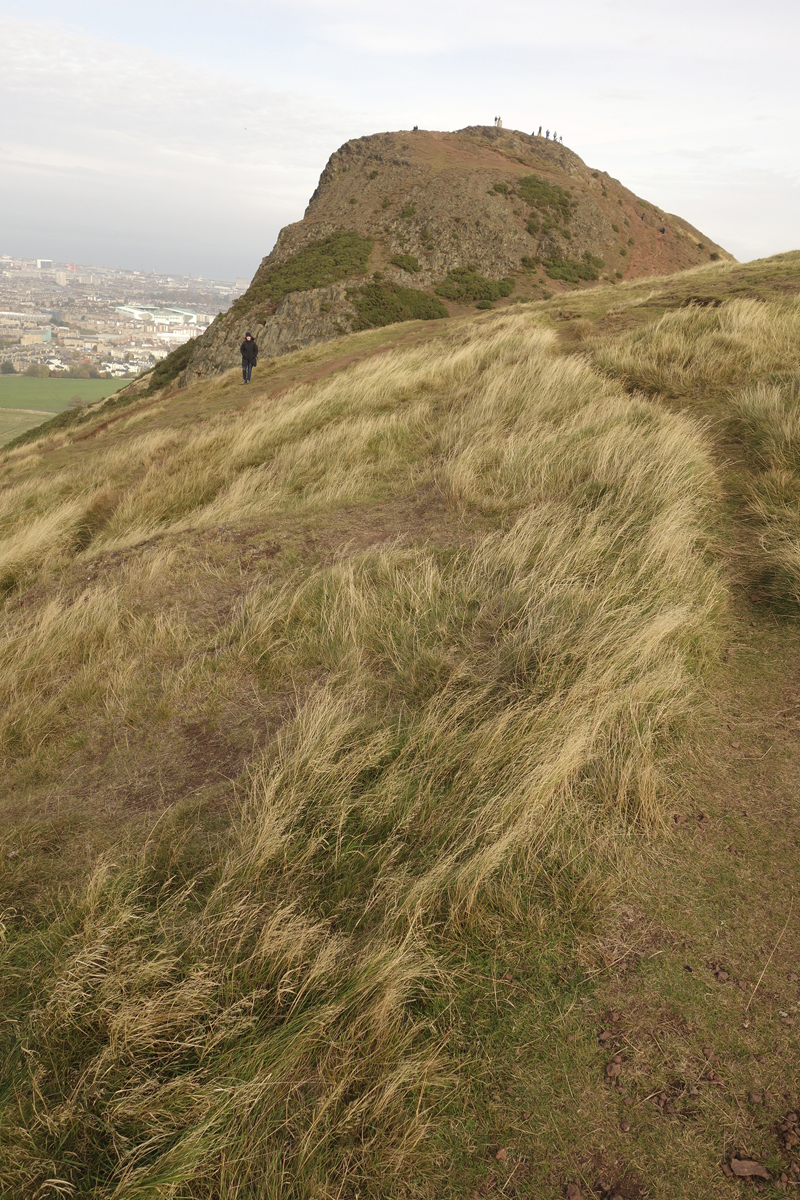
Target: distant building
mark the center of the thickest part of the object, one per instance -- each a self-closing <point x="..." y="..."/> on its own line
<point x="61" y="278"/>
<point x="44" y="264"/>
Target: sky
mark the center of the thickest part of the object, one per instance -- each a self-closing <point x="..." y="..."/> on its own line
<point x="181" y="136"/>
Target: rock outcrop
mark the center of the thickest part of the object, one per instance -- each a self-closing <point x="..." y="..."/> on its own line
<point x="509" y="205"/>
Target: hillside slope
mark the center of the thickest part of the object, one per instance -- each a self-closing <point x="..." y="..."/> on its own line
<point x="343" y="720"/>
<point x="507" y="204"/>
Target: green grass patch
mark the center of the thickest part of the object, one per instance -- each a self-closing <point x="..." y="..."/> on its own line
<point x="546" y="197"/>
<point x="406" y="262"/>
<point x="465" y="284"/>
<point x="572" y="271"/>
<point x="53" y="395"/>
<point x="383" y="302"/>
<point x="339" y="256"/>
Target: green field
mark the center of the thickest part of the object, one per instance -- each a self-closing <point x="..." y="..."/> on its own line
<point x="25" y="402"/>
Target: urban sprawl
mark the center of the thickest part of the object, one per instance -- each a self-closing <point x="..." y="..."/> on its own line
<point x="62" y="318"/>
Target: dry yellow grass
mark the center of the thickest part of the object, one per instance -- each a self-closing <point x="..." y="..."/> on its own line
<point x="738" y="364"/>
<point x="476" y="727"/>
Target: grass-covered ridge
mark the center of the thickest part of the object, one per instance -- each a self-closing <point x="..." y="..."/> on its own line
<point x="465" y="716"/>
<point x="341" y="255"/>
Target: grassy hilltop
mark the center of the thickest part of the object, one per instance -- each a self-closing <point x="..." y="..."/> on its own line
<point x="398" y="763"/>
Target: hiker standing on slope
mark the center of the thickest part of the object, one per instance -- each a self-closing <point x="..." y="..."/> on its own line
<point x="249" y="351"/>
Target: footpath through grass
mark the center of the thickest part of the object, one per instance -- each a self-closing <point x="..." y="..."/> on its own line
<point x="361" y="837"/>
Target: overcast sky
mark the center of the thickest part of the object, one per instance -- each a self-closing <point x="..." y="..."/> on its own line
<point x="181" y="135"/>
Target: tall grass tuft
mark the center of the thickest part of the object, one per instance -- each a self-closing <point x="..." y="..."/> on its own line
<point x="738" y="364"/>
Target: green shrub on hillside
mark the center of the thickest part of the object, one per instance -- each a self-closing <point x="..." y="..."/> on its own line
<point x="406" y="262"/>
<point x="573" y="272"/>
<point x="546" y="197"/>
<point x="339" y="256"/>
<point x="465" y="284"/>
<point x="385" y="303"/>
<point x="502" y="188"/>
<point x="484" y="304"/>
<point x="408" y="212"/>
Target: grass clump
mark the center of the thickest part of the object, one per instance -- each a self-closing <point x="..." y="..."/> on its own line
<point x="546" y="197"/>
<point x="737" y="361"/>
<point x="477" y="721"/>
<point x="765" y="418"/>
<point x="572" y="271"/>
<point x="384" y="302"/>
<point x="465" y="284"/>
<point x="340" y="256"/>
<point x="406" y="262"/>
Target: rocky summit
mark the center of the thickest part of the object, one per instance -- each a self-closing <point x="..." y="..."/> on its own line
<point x="422" y="225"/>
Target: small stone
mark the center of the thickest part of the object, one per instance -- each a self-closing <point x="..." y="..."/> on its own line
<point x="502" y="1155"/>
<point x="755" y="1097"/>
<point x="748" y="1168"/>
<point x="526" y="1116"/>
<point x="573" y="1192"/>
<point x="726" y="1171"/>
<point x="603" y="1036"/>
<point x="625" y="1125"/>
<point x="627" y="1101"/>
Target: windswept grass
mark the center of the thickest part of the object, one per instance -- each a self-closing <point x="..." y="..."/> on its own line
<point x="476" y="724"/>
<point x="738" y="363"/>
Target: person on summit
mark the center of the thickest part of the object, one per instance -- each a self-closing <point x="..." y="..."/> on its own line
<point x="249" y="351"/>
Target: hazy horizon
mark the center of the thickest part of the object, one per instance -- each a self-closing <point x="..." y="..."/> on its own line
<point x="181" y="138"/>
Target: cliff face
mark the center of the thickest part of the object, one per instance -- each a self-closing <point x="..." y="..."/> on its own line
<point x="509" y="205"/>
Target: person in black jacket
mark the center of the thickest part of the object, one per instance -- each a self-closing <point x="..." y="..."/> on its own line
<point x="249" y="351"/>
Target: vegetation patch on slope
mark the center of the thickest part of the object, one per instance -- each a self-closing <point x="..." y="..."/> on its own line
<point x="465" y="284"/>
<point x="546" y="197"/>
<point x="384" y="302"/>
<point x="406" y="262"/>
<point x="573" y="271"/>
<point x="340" y="256"/>
<point x="472" y="726"/>
<point x="738" y="358"/>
